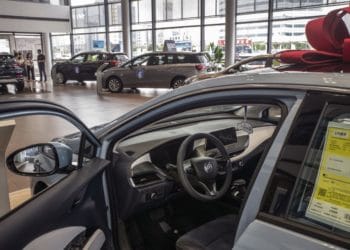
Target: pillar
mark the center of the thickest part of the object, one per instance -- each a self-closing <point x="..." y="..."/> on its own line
<point x="230" y="32"/>
<point x="126" y="27"/>
<point x="48" y="57"/>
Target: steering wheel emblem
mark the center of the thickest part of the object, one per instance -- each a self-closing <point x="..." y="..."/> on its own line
<point x="208" y="167"/>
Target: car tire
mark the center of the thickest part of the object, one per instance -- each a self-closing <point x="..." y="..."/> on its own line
<point x="20" y="86"/>
<point x="114" y="84"/>
<point x="178" y="82"/>
<point x="60" y="78"/>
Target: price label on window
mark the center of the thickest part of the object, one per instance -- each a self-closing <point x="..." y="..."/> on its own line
<point x="330" y="201"/>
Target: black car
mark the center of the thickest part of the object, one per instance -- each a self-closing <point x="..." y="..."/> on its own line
<point x="83" y="66"/>
<point x="10" y="73"/>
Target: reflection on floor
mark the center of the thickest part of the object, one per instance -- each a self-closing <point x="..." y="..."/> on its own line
<point x="87" y="105"/>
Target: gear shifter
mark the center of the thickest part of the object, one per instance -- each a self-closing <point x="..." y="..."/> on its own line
<point x="238" y="189"/>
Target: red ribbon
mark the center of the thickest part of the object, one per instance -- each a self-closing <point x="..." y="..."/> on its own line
<point x="329" y="36"/>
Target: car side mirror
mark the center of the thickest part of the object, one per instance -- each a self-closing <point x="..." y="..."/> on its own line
<point x="40" y="159"/>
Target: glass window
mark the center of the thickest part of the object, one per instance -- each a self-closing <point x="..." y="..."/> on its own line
<point x="281" y="4"/>
<point x="210" y="7"/>
<point x="84" y="2"/>
<point x="186" y="39"/>
<point x="116" y="42"/>
<point x="161" y="10"/>
<point x="215" y="35"/>
<point x="173" y="9"/>
<point x="115" y="14"/>
<point x="141" y="11"/>
<point x="61" y="47"/>
<point x="86" y="42"/>
<point x="141" y="42"/>
<point x="190" y="9"/>
<point x="251" y="40"/>
<point x="314" y="2"/>
<point x="289" y="35"/>
<point x="88" y="16"/>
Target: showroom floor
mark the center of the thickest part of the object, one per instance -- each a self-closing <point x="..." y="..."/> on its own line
<point x="87" y="105"/>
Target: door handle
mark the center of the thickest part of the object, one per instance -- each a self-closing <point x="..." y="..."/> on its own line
<point x="96" y="241"/>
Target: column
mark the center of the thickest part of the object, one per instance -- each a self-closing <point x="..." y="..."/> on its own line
<point x="48" y="56"/>
<point x="230" y="36"/>
<point x="126" y="27"/>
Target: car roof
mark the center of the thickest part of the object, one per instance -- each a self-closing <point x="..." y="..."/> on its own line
<point x="174" y="53"/>
<point x="100" y="52"/>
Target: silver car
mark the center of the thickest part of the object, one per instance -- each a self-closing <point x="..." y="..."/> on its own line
<point x="153" y="70"/>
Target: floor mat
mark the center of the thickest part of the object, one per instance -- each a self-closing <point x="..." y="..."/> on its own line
<point x="160" y="228"/>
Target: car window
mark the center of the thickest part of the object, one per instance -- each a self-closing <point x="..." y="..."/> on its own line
<point x="78" y="58"/>
<point x="171" y="59"/>
<point x="121" y="58"/>
<point x="202" y="58"/>
<point x="142" y="60"/>
<point x="157" y="60"/>
<point x="19" y="133"/>
<point x="186" y="59"/>
<point x="93" y="57"/>
<point x="312" y="188"/>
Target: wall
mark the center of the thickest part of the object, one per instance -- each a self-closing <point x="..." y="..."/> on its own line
<point x="33" y="17"/>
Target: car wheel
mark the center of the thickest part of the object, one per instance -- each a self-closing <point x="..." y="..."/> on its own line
<point x="60" y="78"/>
<point x="114" y="84"/>
<point x="20" y="86"/>
<point x="178" y="82"/>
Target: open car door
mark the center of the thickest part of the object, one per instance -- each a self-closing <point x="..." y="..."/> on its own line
<point x="71" y="213"/>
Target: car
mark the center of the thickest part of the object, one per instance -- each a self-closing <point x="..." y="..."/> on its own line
<point x="10" y="74"/>
<point x="83" y="66"/>
<point x="239" y="161"/>
<point x="153" y="70"/>
<point x="254" y="62"/>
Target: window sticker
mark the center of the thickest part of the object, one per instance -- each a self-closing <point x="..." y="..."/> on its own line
<point x="330" y="201"/>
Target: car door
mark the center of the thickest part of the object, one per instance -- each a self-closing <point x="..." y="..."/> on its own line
<point x="155" y="72"/>
<point x="134" y="73"/>
<point x="72" y="213"/>
<point x="91" y="64"/>
<point x="305" y="203"/>
<point x="74" y="68"/>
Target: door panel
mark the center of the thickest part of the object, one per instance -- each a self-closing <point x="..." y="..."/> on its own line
<point x="78" y="200"/>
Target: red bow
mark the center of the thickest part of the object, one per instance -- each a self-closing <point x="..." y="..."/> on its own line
<point x="330" y="37"/>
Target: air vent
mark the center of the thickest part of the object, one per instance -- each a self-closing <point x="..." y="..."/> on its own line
<point x="130" y="153"/>
<point x="145" y="179"/>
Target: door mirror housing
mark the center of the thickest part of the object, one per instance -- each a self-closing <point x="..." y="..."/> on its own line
<point x="40" y="159"/>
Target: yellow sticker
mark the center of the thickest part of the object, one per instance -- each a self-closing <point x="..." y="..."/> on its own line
<point x="330" y="201"/>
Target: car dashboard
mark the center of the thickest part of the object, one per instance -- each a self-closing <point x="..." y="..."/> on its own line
<point x="147" y="161"/>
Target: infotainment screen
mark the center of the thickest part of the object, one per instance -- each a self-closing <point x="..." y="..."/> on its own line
<point x="226" y="136"/>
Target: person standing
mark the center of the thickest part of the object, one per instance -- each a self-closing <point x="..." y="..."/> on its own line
<point x="30" y="66"/>
<point x="21" y="63"/>
<point x="41" y="64"/>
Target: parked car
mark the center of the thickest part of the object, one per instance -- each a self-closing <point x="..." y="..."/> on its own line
<point x="83" y="66"/>
<point x="153" y="70"/>
<point x="10" y="73"/>
<point x="255" y="147"/>
<point x="254" y="62"/>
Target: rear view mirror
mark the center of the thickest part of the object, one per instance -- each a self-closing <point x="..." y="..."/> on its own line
<point x="40" y="159"/>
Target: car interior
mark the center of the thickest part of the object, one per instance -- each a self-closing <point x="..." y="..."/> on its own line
<point x="182" y="179"/>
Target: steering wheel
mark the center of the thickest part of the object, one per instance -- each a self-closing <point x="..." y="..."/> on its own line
<point x="203" y="171"/>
